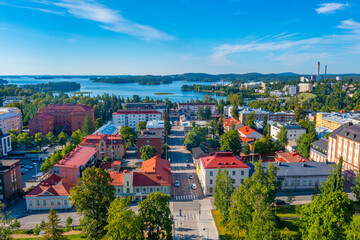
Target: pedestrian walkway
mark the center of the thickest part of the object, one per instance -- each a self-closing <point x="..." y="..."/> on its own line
<point x="185" y="198"/>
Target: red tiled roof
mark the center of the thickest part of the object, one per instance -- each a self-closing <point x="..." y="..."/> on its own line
<point x="105" y="137"/>
<point x="52" y="179"/>
<point x="290" y="157"/>
<point x="245" y="139"/>
<point x="222" y="160"/>
<point x="155" y="171"/>
<point x="43" y="117"/>
<point x="136" y="112"/>
<point x="52" y="185"/>
<point x="246" y="130"/>
<point x="77" y="157"/>
<point x="230" y="121"/>
<point x="117" y="178"/>
<point x="106" y="165"/>
<point x="66" y="107"/>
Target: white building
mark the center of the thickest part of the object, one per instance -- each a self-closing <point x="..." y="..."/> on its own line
<point x="292" y="90"/>
<point x="194" y="107"/>
<point x="294" y="131"/>
<point x="5" y="144"/>
<point x="207" y="168"/>
<point x="131" y="118"/>
<point x="305" y="87"/>
<point x="249" y="133"/>
<point x="10" y="118"/>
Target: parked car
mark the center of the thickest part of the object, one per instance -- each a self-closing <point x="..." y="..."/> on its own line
<point x="193" y="186"/>
<point x="187" y="165"/>
<point x="191" y="176"/>
<point x="177" y="183"/>
<point x="279" y="202"/>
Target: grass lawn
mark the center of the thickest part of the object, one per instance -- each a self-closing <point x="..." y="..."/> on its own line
<point x="73" y="237"/>
<point x="286" y="211"/>
<point x="305" y="96"/>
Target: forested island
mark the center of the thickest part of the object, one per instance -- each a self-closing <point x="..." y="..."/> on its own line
<point x="3" y="81"/>
<point x="54" y="87"/>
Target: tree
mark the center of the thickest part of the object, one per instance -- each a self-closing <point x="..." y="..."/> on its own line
<point x="290" y="197"/>
<point x="266" y="130"/>
<point x="263" y="145"/>
<point x="40" y="140"/>
<point x="155" y="216"/>
<point x="36" y="230"/>
<point x="265" y="122"/>
<point x="356" y="188"/>
<point x="304" y="142"/>
<point x="250" y="120"/>
<point x="51" y="227"/>
<point x="335" y="181"/>
<point x="69" y="221"/>
<point x="282" y="137"/>
<point x="222" y="193"/>
<point x="207" y="113"/>
<point x="42" y="224"/>
<point x="220" y="127"/>
<point x="141" y="125"/>
<point x="7" y="224"/>
<point x="51" y="138"/>
<point x="353" y="229"/>
<point x="246" y="150"/>
<point x="92" y="197"/>
<point x="235" y="112"/>
<point x="63" y="138"/>
<point x="88" y="126"/>
<point x="167" y="124"/>
<point x="122" y="221"/>
<point x="195" y="137"/>
<point x="230" y="141"/>
<point x="129" y="135"/>
<point x="299" y="113"/>
<point x="76" y="138"/>
<point x="98" y="123"/>
<point x="24" y="139"/>
<point x="13" y="138"/>
<point x="148" y="152"/>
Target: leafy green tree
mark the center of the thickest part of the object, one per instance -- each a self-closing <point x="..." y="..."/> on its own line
<point x="51" y="138"/>
<point x="7" y="224"/>
<point x="63" y="138"/>
<point x="24" y="139"/>
<point x="220" y="127"/>
<point x="42" y="224"/>
<point x="263" y="145"/>
<point x="282" y="137"/>
<point x="335" y="181"/>
<point x="207" y="113"/>
<point x="92" y="197"/>
<point x="290" y="197"/>
<point x="51" y="227"/>
<point x="246" y="149"/>
<point x="356" y="188"/>
<point x="155" y="216"/>
<point x="98" y="123"/>
<point x="195" y="137"/>
<point x="76" y="138"/>
<point x="235" y="112"/>
<point x="353" y="229"/>
<point x="266" y="130"/>
<point x="230" y="141"/>
<point x="122" y="221"/>
<point x="141" y="126"/>
<point x="148" y="152"/>
<point x="299" y="113"/>
<point x="13" y="138"/>
<point x="69" y="221"/>
<point x="250" y="120"/>
<point x="167" y="124"/>
<point x="88" y="126"/>
<point x="40" y="140"/>
<point x="129" y="135"/>
<point x="36" y="230"/>
<point x="265" y="122"/>
<point x="304" y="142"/>
<point x="222" y="194"/>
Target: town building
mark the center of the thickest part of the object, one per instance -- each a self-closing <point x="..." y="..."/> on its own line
<point x="345" y="142"/>
<point x="297" y="177"/>
<point x="247" y="134"/>
<point x="259" y="114"/>
<point x="318" y="150"/>
<point x="150" y="138"/>
<point x="292" y="90"/>
<point x="156" y="125"/>
<point x="193" y="108"/>
<point x="57" y="118"/>
<point x="294" y="131"/>
<point x="277" y="93"/>
<point x="131" y="118"/>
<point x="161" y="107"/>
<point x="305" y="87"/>
<point x="109" y="128"/>
<point x="11" y="99"/>
<point x="71" y="166"/>
<point x="228" y="123"/>
<point x="10" y="180"/>
<point x="154" y="176"/>
<point x="335" y="120"/>
<point x="50" y="193"/>
<point x="207" y="168"/>
<point x="10" y="118"/>
<point x="112" y="146"/>
<point x="322" y="131"/>
<point x="5" y="145"/>
<point x="289" y="157"/>
<point x="282" y="117"/>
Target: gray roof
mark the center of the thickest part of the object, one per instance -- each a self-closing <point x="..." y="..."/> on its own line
<point x="303" y="169"/>
<point x="350" y="131"/>
<point x="322" y="143"/>
<point x="198" y="153"/>
<point x="151" y="134"/>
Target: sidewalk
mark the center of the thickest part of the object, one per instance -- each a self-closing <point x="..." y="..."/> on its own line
<point x="206" y="224"/>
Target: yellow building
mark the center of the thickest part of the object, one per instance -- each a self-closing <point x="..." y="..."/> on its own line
<point x="331" y="120"/>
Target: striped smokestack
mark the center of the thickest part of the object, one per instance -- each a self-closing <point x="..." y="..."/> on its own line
<point x="318" y="69"/>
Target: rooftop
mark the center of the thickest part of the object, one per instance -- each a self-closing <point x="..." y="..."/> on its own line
<point x="155" y="171"/>
<point x="108" y="128"/>
<point x="303" y="169"/>
<point x="322" y="143"/>
<point x="195" y="104"/>
<point x="150" y="134"/>
<point x="155" y="124"/>
<point x="290" y="157"/>
<point x="77" y="157"/>
<point x="222" y="160"/>
<point x="126" y="112"/>
<point x="66" y="107"/>
<point x="230" y="121"/>
<point x="246" y="130"/>
<point x="350" y="131"/>
<point x="50" y="186"/>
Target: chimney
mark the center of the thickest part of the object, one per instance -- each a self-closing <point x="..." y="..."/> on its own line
<point x="325" y="72"/>
<point x="318" y="69"/>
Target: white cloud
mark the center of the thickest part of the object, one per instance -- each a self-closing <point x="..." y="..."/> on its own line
<point x="350" y="24"/>
<point x="326" y="8"/>
<point x="109" y="19"/>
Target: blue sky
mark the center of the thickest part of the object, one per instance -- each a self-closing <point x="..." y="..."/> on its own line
<point x="167" y="37"/>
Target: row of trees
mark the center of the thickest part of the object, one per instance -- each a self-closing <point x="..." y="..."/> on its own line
<point x="102" y="214"/>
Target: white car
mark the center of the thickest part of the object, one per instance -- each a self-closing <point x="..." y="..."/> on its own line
<point x="193" y="186"/>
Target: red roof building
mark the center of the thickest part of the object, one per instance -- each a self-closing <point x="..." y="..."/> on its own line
<point x="290" y="157"/>
<point x="131" y="118"/>
<point x="207" y="168"/>
<point x="49" y="193"/>
<point x="248" y="132"/>
<point x="229" y="122"/>
<point x="57" y="118"/>
<point x="71" y="166"/>
<point x="112" y="146"/>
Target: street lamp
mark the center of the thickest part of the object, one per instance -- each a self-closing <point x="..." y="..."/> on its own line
<point x="207" y="232"/>
<point x="35" y="164"/>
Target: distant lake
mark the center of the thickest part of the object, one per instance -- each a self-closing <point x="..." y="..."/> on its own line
<point x="124" y="90"/>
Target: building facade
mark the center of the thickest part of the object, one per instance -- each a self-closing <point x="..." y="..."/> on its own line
<point x="318" y="150"/>
<point x="112" y="146"/>
<point x="10" y="118"/>
<point x="259" y="114"/>
<point x="305" y="87"/>
<point x="294" y="131"/>
<point x="335" y="120"/>
<point x="161" y="107"/>
<point x="207" y="168"/>
<point x="229" y="123"/>
<point x="71" y="166"/>
<point x="57" y="118"/>
<point x="194" y="107"/>
<point x="282" y="117"/>
<point x="248" y="132"/>
<point x="10" y="180"/>
<point x="150" y="138"/>
<point x="131" y="118"/>
<point x="5" y="145"/>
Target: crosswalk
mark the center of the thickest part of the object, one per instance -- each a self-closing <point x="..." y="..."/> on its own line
<point x="185" y="197"/>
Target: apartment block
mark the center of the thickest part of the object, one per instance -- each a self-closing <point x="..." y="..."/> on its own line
<point x="305" y="87"/>
<point x="150" y="138"/>
<point x="194" y="107"/>
<point x="131" y="118"/>
<point x="10" y="118"/>
<point x="259" y="114"/>
<point x="294" y="131"/>
<point x="282" y="117"/>
<point x="10" y="180"/>
<point x="318" y="150"/>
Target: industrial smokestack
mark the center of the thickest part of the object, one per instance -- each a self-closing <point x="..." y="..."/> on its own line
<point x="318" y="69"/>
<point x="325" y="71"/>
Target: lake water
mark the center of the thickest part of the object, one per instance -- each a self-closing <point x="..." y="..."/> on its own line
<point x="124" y="90"/>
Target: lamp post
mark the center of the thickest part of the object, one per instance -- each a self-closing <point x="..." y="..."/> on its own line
<point x="35" y="164"/>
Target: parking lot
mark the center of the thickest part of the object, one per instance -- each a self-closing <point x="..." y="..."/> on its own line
<point x="30" y="167"/>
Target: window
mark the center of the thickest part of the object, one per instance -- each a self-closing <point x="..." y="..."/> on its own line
<point x="304" y="182"/>
<point x="242" y="181"/>
<point x="211" y="173"/>
<point x="65" y="202"/>
<point x="210" y="190"/>
<point x="30" y="203"/>
<point x="127" y="183"/>
<point x="292" y="182"/>
<point x="127" y="190"/>
<point x="37" y="203"/>
<point x="297" y="182"/>
<point x="310" y="183"/>
<point x="44" y="203"/>
<point x="211" y="181"/>
<point x="144" y="190"/>
<point x="137" y="190"/>
<point x="242" y="173"/>
<point x="58" y="202"/>
<point x="151" y="189"/>
<point x="286" y="183"/>
<point x="233" y="172"/>
<point x="52" y="203"/>
<point x="233" y="181"/>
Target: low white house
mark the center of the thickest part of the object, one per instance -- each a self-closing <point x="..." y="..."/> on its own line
<point x="248" y="132"/>
<point x="207" y="168"/>
<point x="294" y="131"/>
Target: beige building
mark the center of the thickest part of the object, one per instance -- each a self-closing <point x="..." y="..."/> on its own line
<point x="10" y="118"/>
<point x="305" y="87"/>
